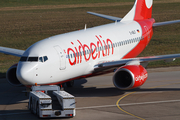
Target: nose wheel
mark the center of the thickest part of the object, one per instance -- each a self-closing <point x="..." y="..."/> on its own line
<point x="70" y="83"/>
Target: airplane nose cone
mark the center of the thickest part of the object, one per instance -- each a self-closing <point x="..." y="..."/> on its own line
<point x="25" y="73"/>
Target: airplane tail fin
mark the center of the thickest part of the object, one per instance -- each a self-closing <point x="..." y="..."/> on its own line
<point x="141" y="10"/>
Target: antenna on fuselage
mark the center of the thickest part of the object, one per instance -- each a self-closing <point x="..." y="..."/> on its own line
<point x="85" y="26"/>
<point x="116" y="21"/>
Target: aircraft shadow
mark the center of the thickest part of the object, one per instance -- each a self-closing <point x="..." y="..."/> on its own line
<point x="79" y="91"/>
<point x="23" y="115"/>
<point x="17" y="115"/>
<point x="10" y="94"/>
<point x="14" y="95"/>
<point x="105" y="92"/>
<point x="94" y="92"/>
<point x="2" y="75"/>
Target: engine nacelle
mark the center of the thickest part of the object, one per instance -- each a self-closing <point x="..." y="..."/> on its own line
<point x="11" y="76"/>
<point x="129" y="76"/>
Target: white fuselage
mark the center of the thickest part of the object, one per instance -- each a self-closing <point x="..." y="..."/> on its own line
<point x="66" y="56"/>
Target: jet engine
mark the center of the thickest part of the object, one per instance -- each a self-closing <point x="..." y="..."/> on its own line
<point x="129" y="76"/>
<point x="11" y="76"/>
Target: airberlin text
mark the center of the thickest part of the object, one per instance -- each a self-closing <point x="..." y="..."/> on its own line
<point x="94" y="50"/>
<point x="141" y="78"/>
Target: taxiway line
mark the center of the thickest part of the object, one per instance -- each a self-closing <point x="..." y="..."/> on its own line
<point x="129" y="104"/>
<point x="118" y="102"/>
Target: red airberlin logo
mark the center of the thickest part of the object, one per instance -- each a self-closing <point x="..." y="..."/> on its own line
<point x="91" y="51"/>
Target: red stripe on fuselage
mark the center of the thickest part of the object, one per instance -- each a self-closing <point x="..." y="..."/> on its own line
<point x="147" y="33"/>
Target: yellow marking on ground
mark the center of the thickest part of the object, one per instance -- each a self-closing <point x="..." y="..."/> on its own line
<point x="118" y="102"/>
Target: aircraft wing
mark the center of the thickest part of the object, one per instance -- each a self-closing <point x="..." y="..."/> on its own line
<point x="134" y="61"/>
<point x="165" y="23"/>
<point x="11" y="51"/>
<point x="106" y="16"/>
<point x="119" y="19"/>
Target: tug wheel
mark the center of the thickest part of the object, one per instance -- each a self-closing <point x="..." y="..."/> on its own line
<point x="37" y="109"/>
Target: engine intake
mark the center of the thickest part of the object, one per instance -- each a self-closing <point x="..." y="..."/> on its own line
<point x="129" y="76"/>
<point x="11" y="76"/>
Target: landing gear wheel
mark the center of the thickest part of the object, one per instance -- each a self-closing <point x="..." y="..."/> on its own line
<point x="31" y="106"/>
<point x="37" y="109"/>
<point x="70" y="83"/>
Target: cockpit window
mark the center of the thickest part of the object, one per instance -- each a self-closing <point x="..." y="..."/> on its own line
<point x="40" y="59"/>
<point x="23" y="59"/>
<point x="33" y="59"/>
<point x="45" y="58"/>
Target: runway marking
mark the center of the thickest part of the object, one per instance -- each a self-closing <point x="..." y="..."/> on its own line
<point x="118" y="105"/>
<point x="129" y="104"/>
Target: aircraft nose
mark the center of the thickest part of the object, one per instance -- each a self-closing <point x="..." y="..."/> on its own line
<point x="25" y="72"/>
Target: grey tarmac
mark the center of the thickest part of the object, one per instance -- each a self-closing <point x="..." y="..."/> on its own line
<point x="97" y="98"/>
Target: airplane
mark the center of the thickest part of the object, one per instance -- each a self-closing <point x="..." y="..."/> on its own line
<point x="112" y="47"/>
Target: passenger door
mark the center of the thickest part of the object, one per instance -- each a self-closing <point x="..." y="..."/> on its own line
<point x="62" y="57"/>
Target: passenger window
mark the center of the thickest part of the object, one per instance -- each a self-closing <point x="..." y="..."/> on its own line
<point x="45" y="58"/>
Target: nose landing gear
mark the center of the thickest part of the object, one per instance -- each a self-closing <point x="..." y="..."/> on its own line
<point x="70" y="83"/>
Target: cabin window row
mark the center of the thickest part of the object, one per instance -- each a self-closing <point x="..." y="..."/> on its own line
<point x="117" y="44"/>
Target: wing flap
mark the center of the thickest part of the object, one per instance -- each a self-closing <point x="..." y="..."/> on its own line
<point x="106" y="16"/>
<point x="11" y="51"/>
<point x="141" y="60"/>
